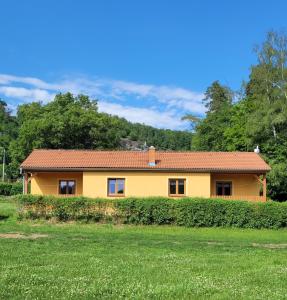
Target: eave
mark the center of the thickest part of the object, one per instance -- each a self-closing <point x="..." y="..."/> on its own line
<point x="150" y="169"/>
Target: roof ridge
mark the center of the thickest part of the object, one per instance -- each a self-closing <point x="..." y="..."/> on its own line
<point x="140" y="151"/>
<point x="88" y="150"/>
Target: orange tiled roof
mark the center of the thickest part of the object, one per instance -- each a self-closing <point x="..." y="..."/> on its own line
<point x="138" y="160"/>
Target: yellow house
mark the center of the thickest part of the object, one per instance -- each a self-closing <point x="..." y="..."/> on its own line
<point x="230" y="175"/>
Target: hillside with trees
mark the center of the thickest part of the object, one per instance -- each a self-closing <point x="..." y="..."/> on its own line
<point x="73" y="122"/>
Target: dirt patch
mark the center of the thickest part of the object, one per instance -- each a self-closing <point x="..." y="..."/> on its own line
<point x="79" y="238"/>
<point x="18" y="235"/>
<point x="270" y="246"/>
<point x="214" y="243"/>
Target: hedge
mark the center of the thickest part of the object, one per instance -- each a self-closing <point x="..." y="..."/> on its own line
<point x="10" y="189"/>
<point x="189" y="212"/>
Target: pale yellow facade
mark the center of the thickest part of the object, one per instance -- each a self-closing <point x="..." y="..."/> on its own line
<point x="48" y="183"/>
<point x="144" y="184"/>
<point x="242" y="184"/>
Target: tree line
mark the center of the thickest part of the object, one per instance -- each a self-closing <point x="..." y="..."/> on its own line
<point x="73" y="122"/>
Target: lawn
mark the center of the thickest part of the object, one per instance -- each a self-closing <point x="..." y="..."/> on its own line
<point x="84" y="261"/>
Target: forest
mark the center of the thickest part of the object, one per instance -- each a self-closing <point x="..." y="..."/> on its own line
<point x="234" y="121"/>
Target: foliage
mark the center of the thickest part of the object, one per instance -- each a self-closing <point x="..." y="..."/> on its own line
<point x="198" y="212"/>
<point x="217" y="97"/>
<point x="267" y="90"/>
<point x="11" y="189"/>
<point x="189" y="212"/>
<point x="236" y="133"/>
<point x="73" y="122"/>
<point x="8" y="125"/>
<point x="8" y="132"/>
<point x="63" y="209"/>
<point x="210" y="130"/>
<point x="147" y="211"/>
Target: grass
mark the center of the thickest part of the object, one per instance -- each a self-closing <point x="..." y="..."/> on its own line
<point x="84" y="261"/>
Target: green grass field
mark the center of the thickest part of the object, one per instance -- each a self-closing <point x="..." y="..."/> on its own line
<point x="85" y="261"/>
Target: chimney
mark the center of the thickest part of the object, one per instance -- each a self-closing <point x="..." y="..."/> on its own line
<point x="257" y="150"/>
<point x="151" y="156"/>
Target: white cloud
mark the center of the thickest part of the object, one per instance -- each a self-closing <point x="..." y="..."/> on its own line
<point x="160" y="106"/>
<point x="6" y="79"/>
<point x="143" y="115"/>
<point x="26" y="94"/>
<point x="171" y="96"/>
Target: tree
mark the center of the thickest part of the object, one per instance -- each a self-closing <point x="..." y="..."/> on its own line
<point x="68" y="122"/>
<point x="217" y="97"/>
<point x="267" y="89"/>
<point x="267" y="122"/>
<point x="8" y="131"/>
<point x="8" y="125"/>
<point x="209" y="135"/>
<point x="236" y="134"/>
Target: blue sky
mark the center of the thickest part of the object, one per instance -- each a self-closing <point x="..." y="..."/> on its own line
<point x="148" y="61"/>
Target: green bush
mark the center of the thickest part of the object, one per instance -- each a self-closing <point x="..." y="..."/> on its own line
<point x="189" y="212"/>
<point x="145" y="211"/>
<point x="63" y="209"/>
<point x="10" y="189"/>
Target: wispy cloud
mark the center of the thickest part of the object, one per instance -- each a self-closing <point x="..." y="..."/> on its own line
<point x="160" y="106"/>
<point x="142" y="115"/>
<point x="25" y="94"/>
<point x="171" y="96"/>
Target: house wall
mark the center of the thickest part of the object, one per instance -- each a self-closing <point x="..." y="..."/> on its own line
<point x="143" y="184"/>
<point x="242" y="184"/>
<point x="48" y="183"/>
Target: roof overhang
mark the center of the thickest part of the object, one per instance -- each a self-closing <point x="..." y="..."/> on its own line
<point x="151" y="169"/>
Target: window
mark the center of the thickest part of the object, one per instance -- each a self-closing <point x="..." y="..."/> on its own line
<point x="176" y="187"/>
<point x="224" y="188"/>
<point x="116" y="187"/>
<point x="67" y="187"/>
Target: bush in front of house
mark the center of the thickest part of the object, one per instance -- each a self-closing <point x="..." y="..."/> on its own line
<point x="146" y="211"/>
<point x="63" y="209"/>
<point x="10" y="189"/>
<point x="189" y="212"/>
<point x="201" y="212"/>
<point x="225" y="213"/>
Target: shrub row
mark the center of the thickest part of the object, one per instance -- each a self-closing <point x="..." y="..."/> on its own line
<point x="63" y="209"/>
<point x="190" y="212"/>
<point x="10" y="189"/>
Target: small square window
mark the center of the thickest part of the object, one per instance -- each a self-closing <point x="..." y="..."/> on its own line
<point x="176" y="187"/>
<point x="116" y="187"/>
<point x="67" y="187"/>
<point x="224" y="188"/>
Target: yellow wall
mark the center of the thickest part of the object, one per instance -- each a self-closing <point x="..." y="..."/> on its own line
<point x="142" y="184"/>
<point x="48" y="183"/>
<point x="145" y="184"/>
<point x="242" y="184"/>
